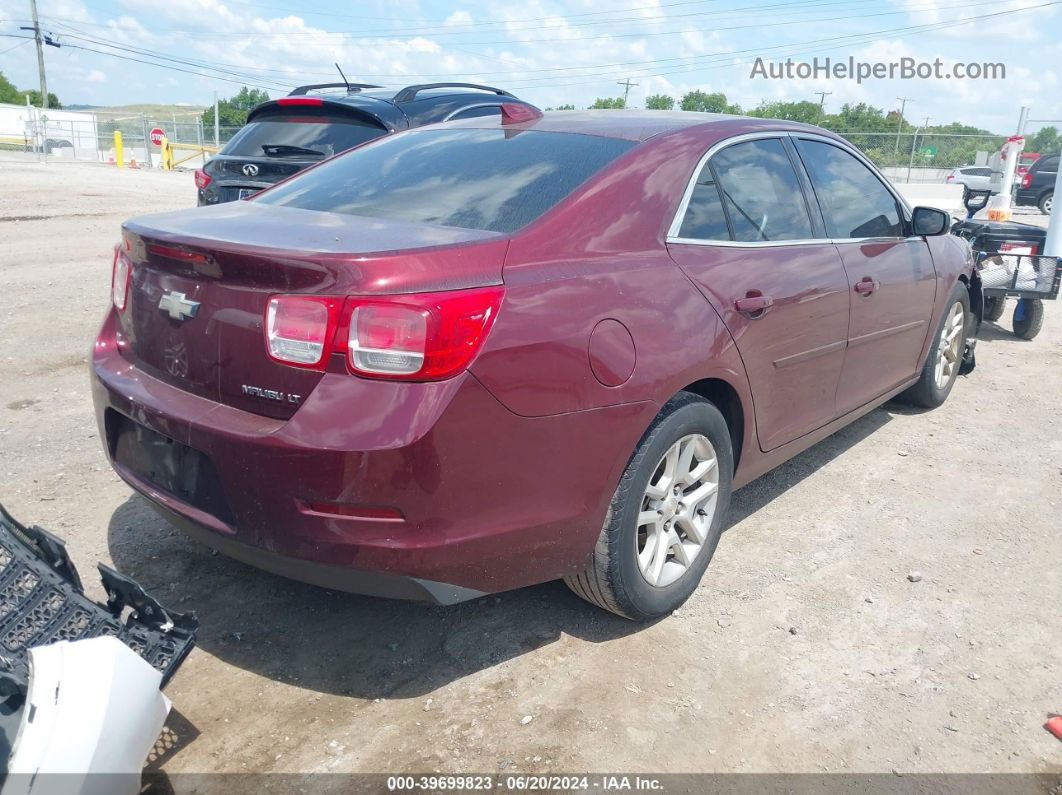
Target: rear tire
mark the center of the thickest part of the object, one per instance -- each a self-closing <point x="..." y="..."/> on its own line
<point x="1045" y="203"/>
<point x="994" y="307"/>
<point x="1032" y="319"/>
<point x="681" y="529"/>
<point x="938" y="377"/>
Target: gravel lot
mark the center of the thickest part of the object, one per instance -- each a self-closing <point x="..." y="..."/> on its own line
<point x="807" y="648"/>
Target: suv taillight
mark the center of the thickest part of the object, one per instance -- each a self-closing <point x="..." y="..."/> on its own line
<point x="121" y="271"/>
<point x="202" y="179"/>
<point x="420" y="337"/>
<point x="1026" y="179"/>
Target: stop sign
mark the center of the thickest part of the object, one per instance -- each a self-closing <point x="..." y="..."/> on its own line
<point x="157" y="135"/>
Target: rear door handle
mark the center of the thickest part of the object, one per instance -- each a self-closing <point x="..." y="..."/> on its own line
<point x="866" y="286"/>
<point x="753" y="303"/>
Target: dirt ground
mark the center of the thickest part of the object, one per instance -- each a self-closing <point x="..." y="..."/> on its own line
<point x="806" y="649"/>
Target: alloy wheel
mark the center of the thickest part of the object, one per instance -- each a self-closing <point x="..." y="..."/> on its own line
<point x="677" y="510"/>
<point x="949" y="347"/>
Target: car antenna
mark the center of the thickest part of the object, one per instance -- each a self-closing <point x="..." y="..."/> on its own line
<point x="345" y="81"/>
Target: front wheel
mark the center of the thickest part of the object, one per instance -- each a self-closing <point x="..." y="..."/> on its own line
<point x="941" y="367"/>
<point x="666" y="515"/>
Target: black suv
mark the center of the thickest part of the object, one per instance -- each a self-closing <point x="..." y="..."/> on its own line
<point x="1037" y="187"/>
<point x="286" y="135"/>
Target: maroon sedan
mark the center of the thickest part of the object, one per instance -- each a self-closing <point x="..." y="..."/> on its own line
<point x="478" y="356"/>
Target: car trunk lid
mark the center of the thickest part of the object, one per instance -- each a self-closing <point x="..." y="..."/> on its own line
<point x="201" y="280"/>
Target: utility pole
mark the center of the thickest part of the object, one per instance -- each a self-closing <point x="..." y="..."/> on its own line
<point x="899" y="124"/>
<point x="626" y="89"/>
<point x="40" y="53"/>
<point x="822" y="99"/>
<point x="217" y="141"/>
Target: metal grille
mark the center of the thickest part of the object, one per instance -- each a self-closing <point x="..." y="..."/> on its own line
<point x="39" y="606"/>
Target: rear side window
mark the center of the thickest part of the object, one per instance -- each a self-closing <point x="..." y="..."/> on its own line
<point x="476" y="112"/>
<point x="303" y="136"/>
<point x="976" y="172"/>
<point x="704" y="219"/>
<point x="854" y="201"/>
<point x="495" y="180"/>
<point x="761" y="193"/>
<point x="1047" y="164"/>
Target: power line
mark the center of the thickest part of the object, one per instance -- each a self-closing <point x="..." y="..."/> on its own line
<point x="850" y="39"/>
<point x="249" y="71"/>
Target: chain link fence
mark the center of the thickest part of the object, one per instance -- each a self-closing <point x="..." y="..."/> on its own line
<point x="905" y="157"/>
<point x="924" y="157"/>
<point x="89" y="137"/>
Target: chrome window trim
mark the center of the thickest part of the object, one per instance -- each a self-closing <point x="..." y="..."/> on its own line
<point x="680" y="214"/>
<point x="453" y="113"/>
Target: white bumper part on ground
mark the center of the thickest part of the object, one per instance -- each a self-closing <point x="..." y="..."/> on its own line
<point x="93" y="712"/>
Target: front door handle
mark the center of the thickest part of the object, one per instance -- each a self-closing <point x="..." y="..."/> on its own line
<point x="866" y="286"/>
<point x="753" y="302"/>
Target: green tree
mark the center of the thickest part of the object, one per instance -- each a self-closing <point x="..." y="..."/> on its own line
<point x="808" y="112"/>
<point x="1046" y="141"/>
<point x="8" y="92"/>
<point x="659" y="102"/>
<point x="232" y="112"/>
<point x="35" y="99"/>
<point x="708" y="103"/>
<point x="563" y="107"/>
<point x="608" y="103"/>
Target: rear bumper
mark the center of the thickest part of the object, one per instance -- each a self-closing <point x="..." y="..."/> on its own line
<point x="489" y="500"/>
<point x="1026" y="197"/>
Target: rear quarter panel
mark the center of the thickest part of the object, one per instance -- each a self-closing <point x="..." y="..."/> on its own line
<point x="600" y="256"/>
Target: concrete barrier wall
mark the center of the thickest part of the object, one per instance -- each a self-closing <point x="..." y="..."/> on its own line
<point x="944" y="197"/>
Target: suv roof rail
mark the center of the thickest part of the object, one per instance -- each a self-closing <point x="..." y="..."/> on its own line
<point x="409" y="93"/>
<point x="298" y="92"/>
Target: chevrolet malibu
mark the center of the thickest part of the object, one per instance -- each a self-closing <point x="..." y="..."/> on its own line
<point x="474" y="357"/>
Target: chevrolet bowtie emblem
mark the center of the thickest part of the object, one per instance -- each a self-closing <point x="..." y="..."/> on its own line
<point x="177" y="306"/>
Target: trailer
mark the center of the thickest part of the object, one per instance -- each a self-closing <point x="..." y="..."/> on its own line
<point x="1011" y="264"/>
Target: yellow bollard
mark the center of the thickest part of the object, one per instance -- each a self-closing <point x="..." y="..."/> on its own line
<point x="118" y="148"/>
<point x="167" y="154"/>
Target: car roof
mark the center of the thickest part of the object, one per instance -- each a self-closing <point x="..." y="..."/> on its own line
<point x="640" y="125"/>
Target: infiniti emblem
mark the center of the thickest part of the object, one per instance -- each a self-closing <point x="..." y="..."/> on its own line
<point x="250" y="170"/>
<point x="177" y="306"/>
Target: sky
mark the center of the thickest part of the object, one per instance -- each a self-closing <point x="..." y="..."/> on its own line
<point x="550" y="52"/>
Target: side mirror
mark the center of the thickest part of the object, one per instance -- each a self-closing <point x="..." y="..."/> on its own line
<point x="929" y="221"/>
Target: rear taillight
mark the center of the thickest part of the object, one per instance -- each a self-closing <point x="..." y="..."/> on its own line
<point x="951" y="178"/>
<point x="421" y="337"/>
<point x="424" y="337"/>
<point x="1026" y="179"/>
<point x="202" y="179"/>
<point x="299" y="329"/>
<point x="121" y="270"/>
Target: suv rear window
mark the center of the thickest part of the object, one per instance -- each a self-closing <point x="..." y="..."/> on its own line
<point x="303" y="136"/>
<point x="495" y="180"/>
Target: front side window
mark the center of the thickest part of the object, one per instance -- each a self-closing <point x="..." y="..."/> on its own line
<point x="761" y="193"/>
<point x="854" y="202"/>
<point x="495" y="179"/>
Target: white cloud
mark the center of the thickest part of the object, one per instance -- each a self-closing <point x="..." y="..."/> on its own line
<point x="567" y="56"/>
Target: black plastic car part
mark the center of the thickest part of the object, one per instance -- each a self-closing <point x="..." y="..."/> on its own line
<point x="301" y="90"/>
<point x="409" y="93"/>
<point x="42" y="602"/>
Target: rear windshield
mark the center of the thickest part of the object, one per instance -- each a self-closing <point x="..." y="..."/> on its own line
<point x="305" y="137"/>
<point x="495" y="180"/>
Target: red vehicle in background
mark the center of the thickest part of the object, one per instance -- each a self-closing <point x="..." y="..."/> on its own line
<point x="477" y="356"/>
